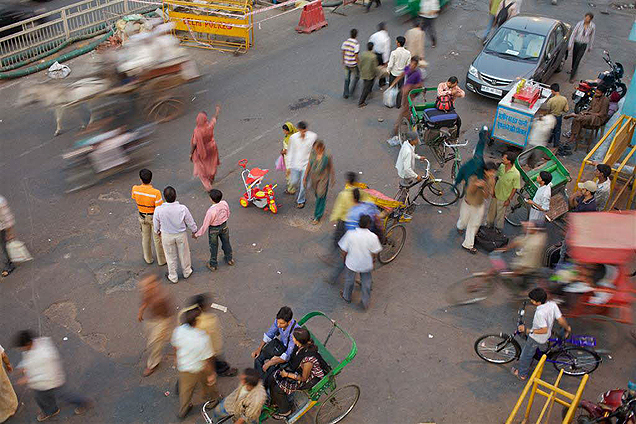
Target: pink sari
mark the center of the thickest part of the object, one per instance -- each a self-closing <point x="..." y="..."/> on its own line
<point x="205" y="156"/>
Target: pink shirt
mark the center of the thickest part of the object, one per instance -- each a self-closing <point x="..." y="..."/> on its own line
<point x="454" y="92"/>
<point x="216" y="215"/>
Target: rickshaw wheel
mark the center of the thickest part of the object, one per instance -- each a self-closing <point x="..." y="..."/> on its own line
<point x="394" y="242"/>
<point x="518" y="213"/>
<point x="164" y="110"/>
<point x="338" y="404"/>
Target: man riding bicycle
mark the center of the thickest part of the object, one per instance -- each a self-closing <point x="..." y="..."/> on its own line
<point x="406" y="161"/>
<point x="530" y="248"/>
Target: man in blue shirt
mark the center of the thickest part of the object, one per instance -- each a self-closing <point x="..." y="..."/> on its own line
<point x="360" y="208"/>
<point x="277" y="346"/>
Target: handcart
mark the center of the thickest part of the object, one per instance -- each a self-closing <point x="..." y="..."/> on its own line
<point x="412" y="7"/>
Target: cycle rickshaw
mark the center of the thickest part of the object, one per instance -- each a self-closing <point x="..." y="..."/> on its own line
<point x="334" y="403"/>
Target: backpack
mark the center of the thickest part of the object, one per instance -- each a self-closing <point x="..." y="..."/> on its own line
<point x="502" y="16"/>
<point x="490" y="239"/>
<point x="444" y="103"/>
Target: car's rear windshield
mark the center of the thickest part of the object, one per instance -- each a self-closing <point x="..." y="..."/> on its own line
<point x="516" y="45"/>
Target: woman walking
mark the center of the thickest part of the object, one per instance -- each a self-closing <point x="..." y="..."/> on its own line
<point x="288" y="130"/>
<point x="319" y="171"/>
<point x="8" y="399"/>
<point x="203" y="151"/>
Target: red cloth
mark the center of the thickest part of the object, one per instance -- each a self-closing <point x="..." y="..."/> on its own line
<point x="206" y="155"/>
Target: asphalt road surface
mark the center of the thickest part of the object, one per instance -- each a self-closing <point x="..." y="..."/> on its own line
<point x="415" y="361"/>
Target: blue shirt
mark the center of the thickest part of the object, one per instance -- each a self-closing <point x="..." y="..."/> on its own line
<point x="285" y="336"/>
<point x="353" y="217"/>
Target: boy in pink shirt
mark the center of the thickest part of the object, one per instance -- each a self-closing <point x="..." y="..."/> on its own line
<point x="215" y="222"/>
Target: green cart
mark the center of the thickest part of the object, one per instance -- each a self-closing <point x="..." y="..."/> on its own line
<point x="412" y="7"/>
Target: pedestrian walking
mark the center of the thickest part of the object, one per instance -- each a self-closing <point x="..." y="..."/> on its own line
<point x="215" y="222"/>
<point x="377" y="4"/>
<point x="381" y="48"/>
<point x="508" y="182"/>
<point x="429" y="10"/>
<point x="43" y="373"/>
<point x="350" y="50"/>
<point x="540" y="203"/>
<point x="288" y="130"/>
<point x="415" y="40"/>
<point x="507" y="9"/>
<point x="7" y="222"/>
<point x="493" y="7"/>
<point x="195" y="363"/>
<point x="300" y="145"/>
<point x="8" y="398"/>
<point x="204" y="154"/>
<point x="148" y="198"/>
<point x="171" y="220"/>
<point x="318" y="173"/>
<point x="245" y="403"/>
<point x="412" y="77"/>
<point x="359" y="247"/>
<point x="398" y="61"/>
<point x="475" y="165"/>
<point x="540" y="134"/>
<point x="209" y="322"/>
<point x="581" y="41"/>
<point x="368" y="71"/>
<point x="159" y="322"/>
<point x="557" y="105"/>
<point x="471" y="210"/>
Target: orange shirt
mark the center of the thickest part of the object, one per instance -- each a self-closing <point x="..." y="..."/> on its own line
<point x="147" y="197"/>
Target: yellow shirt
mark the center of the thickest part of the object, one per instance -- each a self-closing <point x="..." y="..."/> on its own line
<point x="344" y="201"/>
<point x="209" y="323"/>
<point x="557" y="105"/>
<point x="147" y="197"/>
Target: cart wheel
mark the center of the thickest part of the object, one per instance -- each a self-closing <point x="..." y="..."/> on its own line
<point x="273" y="208"/>
<point x="405" y="127"/>
<point x="243" y="202"/>
<point x="395" y="238"/>
<point x="164" y="110"/>
<point x="518" y="213"/>
<point x="338" y="404"/>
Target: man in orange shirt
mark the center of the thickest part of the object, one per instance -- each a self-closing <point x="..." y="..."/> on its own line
<point x="147" y="198"/>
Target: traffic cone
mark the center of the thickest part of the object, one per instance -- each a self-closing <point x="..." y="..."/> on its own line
<point x="312" y="18"/>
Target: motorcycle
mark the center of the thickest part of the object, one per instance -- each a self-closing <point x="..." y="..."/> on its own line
<point x="614" y="406"/>
<point x="611" y="79"/>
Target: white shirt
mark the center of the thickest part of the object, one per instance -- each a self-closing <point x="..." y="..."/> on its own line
<point x="381" y="44"/>
<point x="399" y="59"/>
<point x="406" y="161"/>
<point x="299" y="149"/>
<point x="193" y="348"/>
<point x="42" y="365"/>
<point x="541" y="198"/>
<point x="360" y="244"/>
<point x="545" y="316"/>
<point x="602" y="194"/>
<point x="173" y="218"/>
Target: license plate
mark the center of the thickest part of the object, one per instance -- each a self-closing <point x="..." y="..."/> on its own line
<point x="491" y="90"/>
<point x="578" y="93"/>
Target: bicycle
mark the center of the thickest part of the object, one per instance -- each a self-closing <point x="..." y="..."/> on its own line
<point x="456" y="157"/>
<point x="569" y="354"/>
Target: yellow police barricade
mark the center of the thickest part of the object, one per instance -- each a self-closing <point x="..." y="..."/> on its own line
<point x="226" y="26"/>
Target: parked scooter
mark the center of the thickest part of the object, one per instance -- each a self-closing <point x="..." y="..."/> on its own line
<point x="611" y="79"/>
<point x="614" y="406"/>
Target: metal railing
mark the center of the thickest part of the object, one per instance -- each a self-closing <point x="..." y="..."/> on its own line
<point x="43" y="34"/>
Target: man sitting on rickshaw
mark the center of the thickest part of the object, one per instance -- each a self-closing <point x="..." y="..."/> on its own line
<point x="530" y="248"/>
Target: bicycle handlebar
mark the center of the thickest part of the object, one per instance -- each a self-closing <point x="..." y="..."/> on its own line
<point x="428" y="167"/>
<point x="457" y="144"/>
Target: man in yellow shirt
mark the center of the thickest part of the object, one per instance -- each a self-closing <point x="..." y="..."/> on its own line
<point x="148" y="198"/>
<point x="557" y="105"/>
<point x="508" y="182"/>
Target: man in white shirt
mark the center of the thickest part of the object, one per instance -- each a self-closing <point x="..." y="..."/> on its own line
<point x="538" y="335"/>
<point x="540" y="203"/>
<point x="43" y="373"/>
<point x="298" y="151"/>
<point x="603" y="185"/>
<point x="170" y="221"/>
<point x="399" y="59"/>
<point x="360" y="247"/>
<point x="381" y="47"/>
<point x="195" y="362"/>
<point x="406" y="160"/>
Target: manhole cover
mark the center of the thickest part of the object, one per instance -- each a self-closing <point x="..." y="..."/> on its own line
<point x="306" y="102"/>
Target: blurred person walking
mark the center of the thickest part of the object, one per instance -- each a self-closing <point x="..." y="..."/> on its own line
<point x="429" y="10"/>
<point x="493" y="7"/>
<point x="160" y="323"/>
<point x="475" y="165"/>
<point x="581" y="41"/>
<point x="377" y="4"/>
<point x="319" y="171"/>
<point x="43" y="373"/>
<point x="368" y="71"/>
<point x="398" y="61"/>
<point x="381" y="48"/>
<point x="215" y="222"/>
<point x="195" y="362"/>
<point x="148" y="198"/>
<point x="300" y="145"/>
<point x="350" y="49"/>
<point x="412" y="77"/>
<point x="171" y="220"/>
<point x="288" y="130"/>
<point x="415" y="40"/>
<point x="7" y="222"/>
<point x="204" y="153"/>
<point x="508" y="182"/>
<point x="8" y="399"/>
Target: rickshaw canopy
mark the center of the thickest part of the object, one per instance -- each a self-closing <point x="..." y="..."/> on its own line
<point x="602" y="237"/>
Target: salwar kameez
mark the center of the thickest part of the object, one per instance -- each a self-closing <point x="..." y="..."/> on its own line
<point x="8" y="398"/>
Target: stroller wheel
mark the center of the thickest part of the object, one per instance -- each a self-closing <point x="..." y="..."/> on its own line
<point x="272" y="207"/>
<point x="243" y="202"/>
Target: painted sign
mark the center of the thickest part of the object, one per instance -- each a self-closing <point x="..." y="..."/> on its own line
<point x="210" y="24"/>
<point x="512" y="126"/>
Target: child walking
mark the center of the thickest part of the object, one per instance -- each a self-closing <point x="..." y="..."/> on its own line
<point x="215" y="222"/>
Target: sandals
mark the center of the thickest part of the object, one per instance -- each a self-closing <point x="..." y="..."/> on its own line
<point x="6" y="272"/>
<point x="300" y="205"/>
<point x="472" y="250"/>
<point x="515" y="372"/>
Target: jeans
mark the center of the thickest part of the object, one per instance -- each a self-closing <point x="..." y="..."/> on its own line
<point x="527" y="355"/>
<point x="7" y="265"/>
<point x="555" y="138"/>
<point x="428" y="25"/>
<point x="365" y="283"/>
<point x="296" y="178"/>
<point x="216" y="232"/>
<point x="577" y="54"/>
<point x="491" y="22"/>
<point x="348" y="71"/>
<point x="367" y="86"/>
<point x="46" y="399"/>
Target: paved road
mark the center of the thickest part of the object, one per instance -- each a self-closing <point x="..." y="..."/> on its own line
<point x="415" y="361"/>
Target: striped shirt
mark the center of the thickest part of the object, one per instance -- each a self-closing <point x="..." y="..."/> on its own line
<point x="147" y="198"/>
<point x="6" y="217"/>
<point x="581" y="34"/>
<point x="350" y="49"/>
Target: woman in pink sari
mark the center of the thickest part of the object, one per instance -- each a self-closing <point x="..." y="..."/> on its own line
<point x="203" y="151"/>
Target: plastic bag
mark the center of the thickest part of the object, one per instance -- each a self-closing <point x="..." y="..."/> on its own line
<point x="18" y="251"/>
<point x="390" y="96"/>
<point x="58" y="71"/>
<point x="280" y="163"/>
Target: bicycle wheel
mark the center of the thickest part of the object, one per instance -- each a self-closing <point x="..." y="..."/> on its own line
<point x="518" y="213"/>
<point x="405" y="126"/>
<point x="581" y="416"/>
<point x="338" y="404"/>
<point x="439" y="193"/>
<point x="469" y="290"/>
<point x="496" y="349"/>
<point x="395" y="238"/>
<point x="576" y="361"/>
